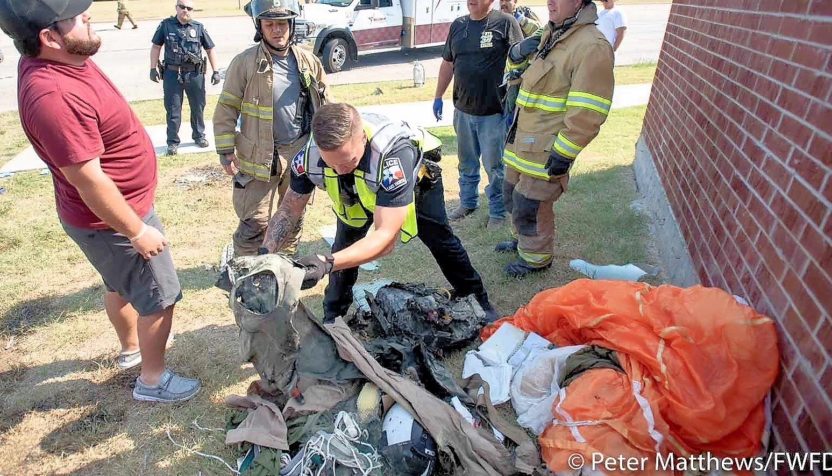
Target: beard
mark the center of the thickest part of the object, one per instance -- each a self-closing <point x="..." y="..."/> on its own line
<point x="86" y="47"/>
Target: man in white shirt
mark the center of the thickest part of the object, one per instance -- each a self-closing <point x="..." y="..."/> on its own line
<point x="612" y="23"/>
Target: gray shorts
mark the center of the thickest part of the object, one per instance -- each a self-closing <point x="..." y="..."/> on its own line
<point x="150" y="286"/>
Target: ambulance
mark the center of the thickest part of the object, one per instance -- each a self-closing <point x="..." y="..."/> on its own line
<point x="339" y="30"/>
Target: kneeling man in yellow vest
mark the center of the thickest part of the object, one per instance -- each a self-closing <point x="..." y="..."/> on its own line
<point x="376" y="171"/>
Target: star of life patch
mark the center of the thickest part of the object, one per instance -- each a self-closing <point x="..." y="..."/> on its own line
<point x="297" y="163"/>
<point x="392" y="175"/>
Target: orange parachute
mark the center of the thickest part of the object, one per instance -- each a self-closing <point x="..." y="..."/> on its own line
<point x="698" y="368"/>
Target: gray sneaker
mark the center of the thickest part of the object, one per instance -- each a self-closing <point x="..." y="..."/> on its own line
<point x="128" y="360"/>
<point x="460" y="212"/>
<point x="171" y="388"/>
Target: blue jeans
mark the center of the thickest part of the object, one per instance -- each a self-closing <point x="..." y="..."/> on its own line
<point x="480" y="136"/>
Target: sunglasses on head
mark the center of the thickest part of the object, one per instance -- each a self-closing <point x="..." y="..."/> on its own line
<point x="183" y="7"/>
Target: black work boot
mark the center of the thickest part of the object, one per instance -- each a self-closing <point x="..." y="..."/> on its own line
<point x="172" y="149"/>
<point x="521" y="269"/>
<point x="491" y="314"/>
<point x="202" y="142"/>
<point x="508" y="246"/>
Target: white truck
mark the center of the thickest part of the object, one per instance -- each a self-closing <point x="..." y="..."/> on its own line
<point x="338" y="30"/>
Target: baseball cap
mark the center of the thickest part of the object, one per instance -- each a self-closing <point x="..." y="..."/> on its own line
<point x="20" y="19"/>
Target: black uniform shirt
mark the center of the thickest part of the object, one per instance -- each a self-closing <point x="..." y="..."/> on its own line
<point x="478" y="50"/>
<point x="182" y="42"/>
<point x="397" y="182"/>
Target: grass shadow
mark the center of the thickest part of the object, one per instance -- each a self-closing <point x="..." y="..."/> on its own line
<point x="26" y="316"/>
<point x="43" y="388"/>
<point x="94" y="399"/>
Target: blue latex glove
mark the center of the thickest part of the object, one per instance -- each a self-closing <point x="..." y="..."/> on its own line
<point x="437" y="109"/>
<point x="518" y="15"/>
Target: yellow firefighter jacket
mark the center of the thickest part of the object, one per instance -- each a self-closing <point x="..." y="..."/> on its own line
<point x="248" y="91"/>
<point x="564" y="97"/>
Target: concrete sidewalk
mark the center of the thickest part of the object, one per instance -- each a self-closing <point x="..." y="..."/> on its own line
<point x="416" y="113"/>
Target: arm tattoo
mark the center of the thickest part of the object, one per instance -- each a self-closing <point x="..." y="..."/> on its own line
<point x="283" y="224"/>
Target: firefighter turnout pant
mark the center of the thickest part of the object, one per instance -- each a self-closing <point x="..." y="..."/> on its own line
<point x="254" y="203"/>
<point x="435" y="233"/>
<point x="530" y="202"/>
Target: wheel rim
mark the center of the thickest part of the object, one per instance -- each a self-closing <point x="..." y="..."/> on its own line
<point x="339" y="56"/>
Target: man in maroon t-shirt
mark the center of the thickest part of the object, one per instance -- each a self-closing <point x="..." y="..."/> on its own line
<point x="104" y="171"/>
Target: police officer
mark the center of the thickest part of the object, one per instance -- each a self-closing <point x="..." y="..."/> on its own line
<point x="183" y="70"/>
<point x="375" y="170"/>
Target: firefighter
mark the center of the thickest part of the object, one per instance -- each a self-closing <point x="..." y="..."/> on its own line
<point x="376" y="171"/>
<point x="564" y="97"/>
<point x="285" y="85"/>
<point x="528" y="20"/>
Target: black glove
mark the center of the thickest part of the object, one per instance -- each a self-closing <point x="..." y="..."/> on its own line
<point x="316" y="268"/>
<point x="524" y="48"/>
<point x="154" y="75"/>
<point x="558" y="164"/>
<point x="262" y="250"/>
<point x="215" y="78"/>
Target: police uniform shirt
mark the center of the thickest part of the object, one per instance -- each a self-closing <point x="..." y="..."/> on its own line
<point x="182" y="41"/>
<point x="396" y="185"/>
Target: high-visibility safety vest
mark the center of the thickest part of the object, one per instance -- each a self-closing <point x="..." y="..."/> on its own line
<point x="564" y="97"/>
<point x="383" y="135"/>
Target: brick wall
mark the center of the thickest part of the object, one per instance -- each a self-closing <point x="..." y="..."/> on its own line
<point x="740" y="127"/>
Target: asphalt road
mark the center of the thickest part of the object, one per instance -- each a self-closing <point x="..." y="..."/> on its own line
<point x="125" y="54"/>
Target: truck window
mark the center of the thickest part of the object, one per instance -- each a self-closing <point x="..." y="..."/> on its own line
<point x="367" y="4"/>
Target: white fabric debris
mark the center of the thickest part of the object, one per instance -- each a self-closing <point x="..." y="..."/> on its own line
<point x="613" y="272"/>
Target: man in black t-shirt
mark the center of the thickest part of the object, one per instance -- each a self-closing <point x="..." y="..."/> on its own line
<point x="371" y="168"/>
<point x="475" y="56"/>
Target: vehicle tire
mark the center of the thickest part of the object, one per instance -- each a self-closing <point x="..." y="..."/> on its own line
<point x="336" y="55"/>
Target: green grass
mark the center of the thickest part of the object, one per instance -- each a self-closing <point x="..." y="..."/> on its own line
<point x="13" y="140"/>
<point x="635" y="74"/>
<point x="64" y="406"/>
<point x="387" y="92"/>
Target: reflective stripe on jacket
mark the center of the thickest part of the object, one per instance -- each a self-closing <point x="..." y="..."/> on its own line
<point x="563" y="99"/>
<point x="247" y="94"/>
